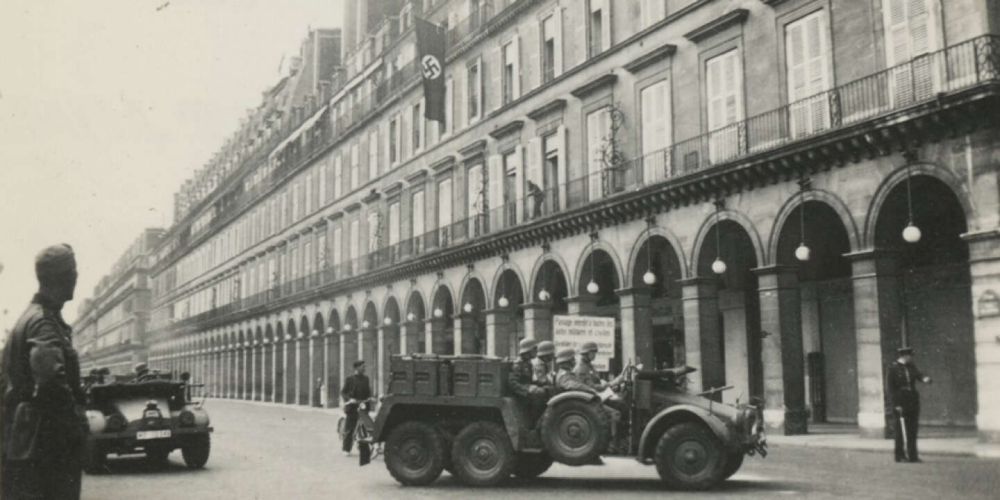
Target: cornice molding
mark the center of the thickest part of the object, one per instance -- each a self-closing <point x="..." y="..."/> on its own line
<point x="594" y="85"/>
<point x="650" y="58"/>
<point x="507" y="129"/>
<point x="547" y="109"/>
<point x="716" y="25"/>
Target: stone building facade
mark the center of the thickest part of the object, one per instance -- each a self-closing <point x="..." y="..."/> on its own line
<point x="729" y="180"/>
<point x="111" y="326"/>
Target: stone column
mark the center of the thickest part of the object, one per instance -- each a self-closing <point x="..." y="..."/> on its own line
<point x="637" y="326"/>
<point x="581" y="305"/>
<point x="781" y="350"/>
<point x="325" y="395"/>
<point x="496" y="328"/>
<point x="254" y="362"/>
<point x="456" y="334"/>
<point x="368" y="350"/>
<point x="245" y="369"/>
<point x="878" y="320"/>
<point x="428" y="336"/>
<point x="984" y="267"/>
<point x="382" y="369"/>
<point x="702" y="348"/>
<point x="538" y="320"/>
<point x="310" y="352"/>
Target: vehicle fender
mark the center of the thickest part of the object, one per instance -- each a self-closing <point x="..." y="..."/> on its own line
<point x="563" y="396"/>
<point x="686" y="412"/>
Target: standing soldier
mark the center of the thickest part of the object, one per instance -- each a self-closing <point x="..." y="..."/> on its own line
<point x="521" y="380"/>
<point x="542" y="364"/>
<point x="902" y="384"/>
<point x="357" y="389"/>
<point x="41" y="407"/>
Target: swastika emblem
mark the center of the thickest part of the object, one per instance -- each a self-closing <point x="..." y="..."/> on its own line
<point x="431" y="67"/>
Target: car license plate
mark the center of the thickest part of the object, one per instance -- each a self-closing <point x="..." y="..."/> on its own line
<point x="152" y="434"/>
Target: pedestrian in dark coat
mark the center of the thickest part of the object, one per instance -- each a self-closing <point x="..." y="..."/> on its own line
<point x="357" y="389"/>
<point x="901" y="383"/>
<point x="41" y="407"/>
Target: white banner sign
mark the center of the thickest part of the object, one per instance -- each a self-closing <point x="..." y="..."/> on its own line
<point x="574" y="331"/>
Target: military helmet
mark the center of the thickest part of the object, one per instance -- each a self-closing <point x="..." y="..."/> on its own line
<point x="546" y="347"/>
<point x="588" y="347"/>
<point x="565" y="355"/>
<point x="526" y="345"/>
<point x="140" y="368"/>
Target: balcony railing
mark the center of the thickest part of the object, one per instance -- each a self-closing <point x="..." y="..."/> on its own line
<point x="922" y="79"/>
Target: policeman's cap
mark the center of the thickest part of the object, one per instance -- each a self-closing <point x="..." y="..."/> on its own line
<point x="359" y="363"/>
<point x="54" y="261"/>
<point x="904" y="350"/>
<point x="565" y="355"/>
<point x="546" y="348"/>
<point x="588" y="347"/>
<point x="526" y="345"/>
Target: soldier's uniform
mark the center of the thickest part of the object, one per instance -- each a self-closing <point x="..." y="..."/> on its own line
<point x="544" y="372"/>
<point x="41" y="406"/>
<point x="901" y="381"/>
<point x="521" y="381"/>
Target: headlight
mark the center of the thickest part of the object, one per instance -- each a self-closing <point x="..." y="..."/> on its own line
<point x="96" y="421"/>
<point x="186" y="419"/>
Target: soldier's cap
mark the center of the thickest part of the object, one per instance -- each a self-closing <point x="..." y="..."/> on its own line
<point x="55" y="260"/>
<point x="904" y="350"/>
<point x="141" y="367"/>
<point x="546" y="348"/>
<point x="526" y="345"/>
<point x="588" y="347"/>
<point x="565" y="355"/>
<point x="359" y="363"/>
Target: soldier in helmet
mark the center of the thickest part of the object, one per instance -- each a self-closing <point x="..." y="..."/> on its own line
<point x="542" y="364"/>
<point x="41" y="407"/>
<point x="521" y="380"/>
<point x="141" y="372"/>
<point x="586" y="372"/>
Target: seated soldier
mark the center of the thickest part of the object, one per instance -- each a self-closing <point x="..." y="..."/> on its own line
<point x="141" y="372"/>
<point x="544" y="373"/>
<point x="586" y="372"/>
<point x="522" y="384"/>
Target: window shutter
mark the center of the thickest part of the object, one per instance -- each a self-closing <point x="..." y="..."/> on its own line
<point x="518" y="182"/>
<point x="558" y="59"/>
<point x="418" y="214"/>
<point x="595" y="139"/>
<point x="562" y="136"/>
<point x="605" y="25"/>
<point x="534" y="169"/>
<point x="534" y="42"/>
<point x="449" y="97"/>
<point x="479" y="84"/>
<point x="458" y="101"/>
<point x="406" y="145"/>
<point x="494" y="196"/>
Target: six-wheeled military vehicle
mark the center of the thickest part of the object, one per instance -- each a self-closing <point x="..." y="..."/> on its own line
<point x="154" y="415"/>
<point x="455" y="413"/>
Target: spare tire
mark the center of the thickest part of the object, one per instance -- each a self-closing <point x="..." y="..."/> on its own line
<point x="575" y="432"/>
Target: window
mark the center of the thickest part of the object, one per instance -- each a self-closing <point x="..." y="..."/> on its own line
<point x="393" y="223"/>
<point x="336" y="252"/>
<point x="598" y="132"/>
<point x="912" y="30"/>
<point x="655" y="111"/>
<point x="510" y="168"/>
<point x="806" y="61"/>
<point x="475" y="199"/>
<point x="393" y="141"/>
<point x="296" y="205"/>
<point x="338" y="177"/>
<point x="552" y="46"/>
<point x="652" y="12"/>
<point x="474" y="85"/>
<point x="551" y="158"/>
<point x="309" y="187"/>
<point x="374" y="231"/>
<point x="417" y="120"/>
<point x="354" y="245"/>
<point x="724" y="88"/>
<point x="417" y="214"/>
<point x="444" y="215"/>
<point x="509" y="64"/>
<point x="599" y="27"/>
<point x="323" y="174"/>
<point x="355" y="167"/>
<point x="373" y="166"/>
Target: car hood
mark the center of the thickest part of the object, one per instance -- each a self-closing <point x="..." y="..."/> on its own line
<point x="664" y="398"/>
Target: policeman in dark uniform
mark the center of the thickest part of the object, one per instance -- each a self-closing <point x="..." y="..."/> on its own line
<point x="901" y="383"/>
<point x="357" y="389"/>
<point x="41" y="406"/>
<point x="521" y="383"/>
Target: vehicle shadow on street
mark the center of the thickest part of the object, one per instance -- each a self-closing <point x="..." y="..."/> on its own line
<point x="543" y="484"/>
<point x="139" y="465"/>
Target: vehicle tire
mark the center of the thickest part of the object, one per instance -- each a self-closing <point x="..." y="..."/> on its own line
<point x="532" y="465"/>
<point x="196" y="453"/>
<point x="575" y="432"/>
<point x="690" y="457"/>
<point x="415" y="453"/>
<point x="158" y="457"/>
<point x="733" y="463"/>
<point x="94" y="459"/>
<point x="482" y="454"/>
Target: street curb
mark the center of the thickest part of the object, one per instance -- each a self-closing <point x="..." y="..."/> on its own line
<point x="874" y="446"/>
<point x="302" y="408"/>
